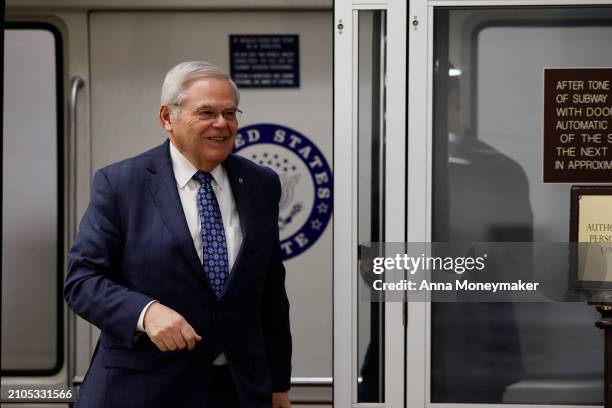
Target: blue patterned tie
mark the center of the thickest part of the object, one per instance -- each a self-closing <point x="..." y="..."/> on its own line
<point x="213" y="234"/>
<point x="213" y="240"/>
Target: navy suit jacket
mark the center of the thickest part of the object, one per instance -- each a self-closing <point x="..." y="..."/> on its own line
<point x="134" y="246"/>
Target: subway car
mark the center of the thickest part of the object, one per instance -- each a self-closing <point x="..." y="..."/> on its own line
<point x="387" y="121"/>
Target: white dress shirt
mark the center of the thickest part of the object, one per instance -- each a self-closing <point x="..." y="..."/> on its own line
<point x="188" y="193"/>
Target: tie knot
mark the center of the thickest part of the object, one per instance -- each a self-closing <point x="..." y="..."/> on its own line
<point x="202" y="176"/>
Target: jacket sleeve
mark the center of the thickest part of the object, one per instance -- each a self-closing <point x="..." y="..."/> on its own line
<point x="91" y="289"/>
<point x="276" y="310"/>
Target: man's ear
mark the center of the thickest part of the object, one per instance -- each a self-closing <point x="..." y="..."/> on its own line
<point x="165" y="118"/>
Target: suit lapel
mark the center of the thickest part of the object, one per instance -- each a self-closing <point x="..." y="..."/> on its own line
<point x="162" y="184"/>
<point x="241" y="186"/>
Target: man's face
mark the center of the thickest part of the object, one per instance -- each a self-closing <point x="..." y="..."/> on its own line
<point x="205" y="141"/>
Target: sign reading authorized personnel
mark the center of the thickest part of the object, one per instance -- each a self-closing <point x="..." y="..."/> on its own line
<point x="578" y="125"/>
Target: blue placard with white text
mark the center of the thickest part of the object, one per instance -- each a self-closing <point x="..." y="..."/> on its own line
<point x="265" y="61"/>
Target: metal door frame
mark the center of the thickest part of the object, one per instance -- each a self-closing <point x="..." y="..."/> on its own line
<point x="345" y="192"/>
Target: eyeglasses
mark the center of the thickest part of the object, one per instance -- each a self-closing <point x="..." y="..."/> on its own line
<point x="232" y="115"/>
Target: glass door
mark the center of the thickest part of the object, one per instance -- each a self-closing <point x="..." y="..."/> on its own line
<point x="480" y="70"/>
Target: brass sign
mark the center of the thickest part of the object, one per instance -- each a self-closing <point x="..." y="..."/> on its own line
<point x="578" y="125"/>
<point x="591" y="228"/>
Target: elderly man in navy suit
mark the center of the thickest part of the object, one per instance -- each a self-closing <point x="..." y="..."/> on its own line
<point x="178" y="262"/>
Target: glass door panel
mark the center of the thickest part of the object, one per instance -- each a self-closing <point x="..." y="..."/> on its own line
<point x="487" y="186"/>
<point x="371" y="193"/>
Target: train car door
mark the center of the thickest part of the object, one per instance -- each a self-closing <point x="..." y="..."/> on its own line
<point x="34" y="232"/>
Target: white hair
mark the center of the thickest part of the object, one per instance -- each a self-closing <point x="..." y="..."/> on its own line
<point x="173" y="89"/>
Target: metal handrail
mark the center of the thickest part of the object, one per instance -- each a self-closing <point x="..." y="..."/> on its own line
<point x="297" y="381"/>
<point x="312" y="381"/>
<point x="75" y="84"/>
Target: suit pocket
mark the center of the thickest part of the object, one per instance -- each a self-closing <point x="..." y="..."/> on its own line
<point x="130" y="360"/>
<point x="130" y="379"/>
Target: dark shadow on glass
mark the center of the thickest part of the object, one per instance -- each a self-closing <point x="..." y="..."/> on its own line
<point x="484" y="355"/>
<point x="480" y="194"/>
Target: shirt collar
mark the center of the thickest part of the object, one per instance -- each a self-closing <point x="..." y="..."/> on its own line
<point x="184" y="169"/>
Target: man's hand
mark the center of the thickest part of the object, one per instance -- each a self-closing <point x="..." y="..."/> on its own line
<point x="280" y="400"/>
<point x="168" y="330"/>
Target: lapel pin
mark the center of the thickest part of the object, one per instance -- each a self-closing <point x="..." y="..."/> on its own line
<point x="240" y="180"/>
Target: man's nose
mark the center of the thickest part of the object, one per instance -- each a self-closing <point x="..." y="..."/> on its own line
<point x="220" y="120"/>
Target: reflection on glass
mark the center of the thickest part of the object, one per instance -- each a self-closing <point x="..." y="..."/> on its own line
<point x="371" y="139"/>
<point x="488" y="187"/>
